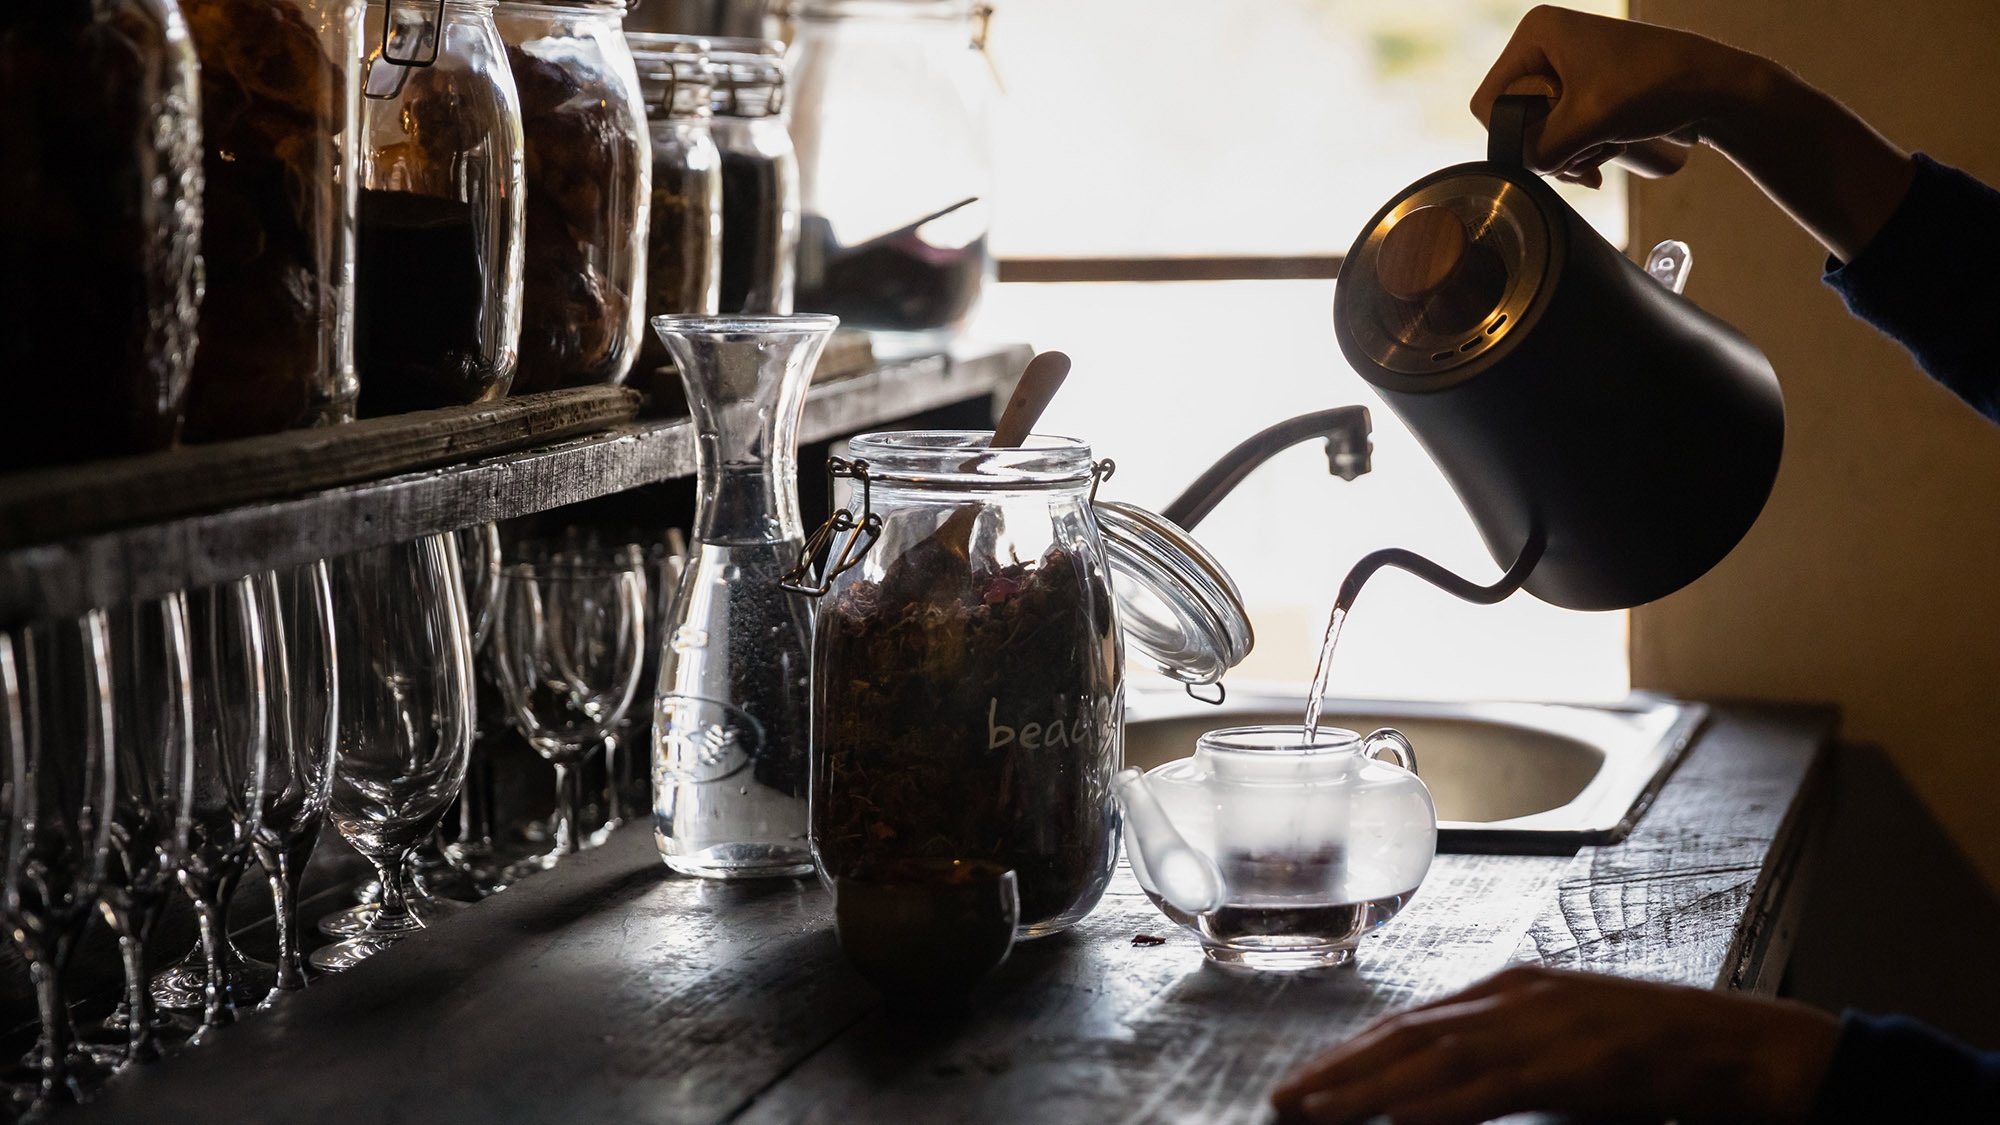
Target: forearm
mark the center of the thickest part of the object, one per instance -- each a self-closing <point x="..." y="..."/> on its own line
<point x="1830" y="170"/>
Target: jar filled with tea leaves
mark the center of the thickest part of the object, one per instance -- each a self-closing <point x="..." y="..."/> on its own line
<point x="280" y="103"/>
<point x="589" y="174"/>
<point x="437" y="286"/>
<point x="684" y="240"/>
<point x="100" y="218"/>
<point x="968" y="670"/>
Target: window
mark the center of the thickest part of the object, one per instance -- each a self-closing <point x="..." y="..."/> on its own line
<point x="1244" y="139"/>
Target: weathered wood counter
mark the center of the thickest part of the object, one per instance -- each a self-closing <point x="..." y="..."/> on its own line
<point x="611" y="990"/>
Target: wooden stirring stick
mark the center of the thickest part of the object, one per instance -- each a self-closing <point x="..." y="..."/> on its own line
<point x="1039" y="384"/>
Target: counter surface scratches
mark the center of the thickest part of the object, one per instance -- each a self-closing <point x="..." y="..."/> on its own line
<point x="611" y="990"/>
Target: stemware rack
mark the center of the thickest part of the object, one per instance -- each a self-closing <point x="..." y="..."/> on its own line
<point x="107" y="567"/>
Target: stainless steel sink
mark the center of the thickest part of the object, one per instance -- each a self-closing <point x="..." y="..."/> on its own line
<point x="1507" y="777"/>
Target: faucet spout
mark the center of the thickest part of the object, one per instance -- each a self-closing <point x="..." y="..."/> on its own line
<point x="1348" y="450"/>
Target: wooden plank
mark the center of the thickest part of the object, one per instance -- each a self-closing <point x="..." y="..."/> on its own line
<point x="69" y="500"/>
<point x="110" y="568"/>
<point x="1696" y="894"/>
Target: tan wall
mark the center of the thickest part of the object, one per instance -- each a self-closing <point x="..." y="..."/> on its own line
<point x="1873" y="578"/>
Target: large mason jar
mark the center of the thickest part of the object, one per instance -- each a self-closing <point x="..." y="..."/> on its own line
<point x="439" y="252"/>
<point x="889" y="115"/>
<point x="589" y="174"/>
<point x="760" y="177"/>
<point x="684" y="240"/>
<point x="968" y="658"/>
<point x="100" y="217"/>
<point x="280" y="102"/>
<point x="967" y="674"/>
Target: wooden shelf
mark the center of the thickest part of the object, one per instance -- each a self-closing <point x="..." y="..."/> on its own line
<point x="70" y="575"/>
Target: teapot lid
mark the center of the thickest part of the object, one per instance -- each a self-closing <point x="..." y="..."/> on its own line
<point x="1178" y="607"/>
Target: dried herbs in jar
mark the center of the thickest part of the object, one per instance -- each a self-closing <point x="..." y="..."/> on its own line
<point x="588" y="175"/>
<point x="967" y="680"/>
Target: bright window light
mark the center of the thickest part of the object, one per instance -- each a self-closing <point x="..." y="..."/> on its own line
<point x="1265" y="127"/>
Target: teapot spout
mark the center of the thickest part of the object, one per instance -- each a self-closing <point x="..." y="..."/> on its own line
<point x="1163" y="860"/>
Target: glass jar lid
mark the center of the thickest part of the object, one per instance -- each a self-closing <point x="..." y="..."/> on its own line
<point x="1178" y="607"/>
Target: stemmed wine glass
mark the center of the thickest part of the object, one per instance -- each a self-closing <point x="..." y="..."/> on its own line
<point x="302" y="676"/>
<point x="230" y="779"/>
<point x="58" y="791"/>
<point x="568" y="643"/>
<point x="153" y="764"/>
<point x="405" y="718"/>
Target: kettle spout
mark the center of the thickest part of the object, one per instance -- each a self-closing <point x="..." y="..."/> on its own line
<point x="1164" y="862"/>
<point x="1348" y="450"/>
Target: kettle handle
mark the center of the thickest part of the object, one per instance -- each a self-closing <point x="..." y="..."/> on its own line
<point x="1528" y="100"/>
<point x="1507" y="128"/>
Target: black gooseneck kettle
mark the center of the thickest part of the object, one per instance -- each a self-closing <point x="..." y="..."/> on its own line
<point x="1611" y="440"/>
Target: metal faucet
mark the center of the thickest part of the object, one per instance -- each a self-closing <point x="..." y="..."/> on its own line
<point x="1348" y="453"/>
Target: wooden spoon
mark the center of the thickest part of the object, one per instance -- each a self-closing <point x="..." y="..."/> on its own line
<point x="1039" y="384"/>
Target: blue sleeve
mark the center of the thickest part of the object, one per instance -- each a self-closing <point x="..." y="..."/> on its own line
<point x="1889" y="1068"/>
<point x="1930" y="281"/>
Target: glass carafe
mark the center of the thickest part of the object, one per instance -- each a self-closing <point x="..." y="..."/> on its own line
<point x="100" y="219"/>
<point x="903" y="85"/>
<point x="437" y="288"/>
<point x="730" y="722"/>
<point x="280" y="103"/>
<point x="589" y="169"/>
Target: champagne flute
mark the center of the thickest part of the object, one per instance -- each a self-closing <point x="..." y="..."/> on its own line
<point x="59" y="791"/>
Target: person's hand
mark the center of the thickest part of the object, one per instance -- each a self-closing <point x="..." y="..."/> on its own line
<point x="1542" y="1039"/>
<point x="1620" y="86"/>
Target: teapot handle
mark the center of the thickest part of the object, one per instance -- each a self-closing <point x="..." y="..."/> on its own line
<point x="1406" y="755"/>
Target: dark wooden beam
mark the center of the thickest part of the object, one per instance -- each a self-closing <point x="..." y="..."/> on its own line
<point x="1241" y="268"/>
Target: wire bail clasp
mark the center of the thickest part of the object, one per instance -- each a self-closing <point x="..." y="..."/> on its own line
<point x="861" y="534"/>
<point x="1099" y="473"/>
<point x="412" y="31"/>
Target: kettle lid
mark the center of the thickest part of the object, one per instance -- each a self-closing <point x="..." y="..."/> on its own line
<point x="1448" y="273"/>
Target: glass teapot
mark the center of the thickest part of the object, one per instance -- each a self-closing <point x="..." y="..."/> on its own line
<point x="1278" y="851"/>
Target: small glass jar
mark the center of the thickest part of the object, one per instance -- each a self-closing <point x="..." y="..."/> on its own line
<point x="280" y="101"/>
<point x="684" y="247"/>
<point x="100" y="228"/>
<point x="760" y="177"/>
<point x="439" y="248"/>
<point x="968" y="660"/>
<point x="889" y="113"/>
<point x="589" y="176"/>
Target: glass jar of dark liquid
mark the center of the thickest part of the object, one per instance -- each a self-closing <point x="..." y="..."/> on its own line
<point x="684" y="239"/>
<point x="100" y="213"/>
<point x="589" y="176"/>
<point x="889" y="115"/>
<point x="280" y="103"/>
<point x="760" y="177"/>
<point x="439" y="254"/>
